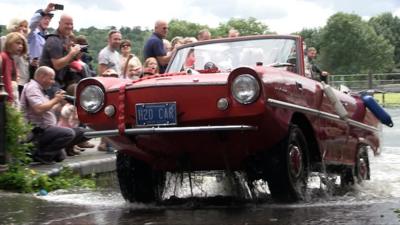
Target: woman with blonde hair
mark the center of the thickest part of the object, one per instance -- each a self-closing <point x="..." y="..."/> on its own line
<point x="176" y="42"/>
<point x="131" y="66"/>
<point x="15" y="25"/>
<point x="22" y="61"/>
<point x="15" y="45"/>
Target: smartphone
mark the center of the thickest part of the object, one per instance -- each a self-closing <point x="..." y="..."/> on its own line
<point x="58" y="7"/>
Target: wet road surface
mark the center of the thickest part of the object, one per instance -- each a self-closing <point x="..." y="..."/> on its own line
<point x="26" y="209"/>
<point x="373" y="202"/>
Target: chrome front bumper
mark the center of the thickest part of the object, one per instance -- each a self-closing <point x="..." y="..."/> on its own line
<point x="158" y="130"/>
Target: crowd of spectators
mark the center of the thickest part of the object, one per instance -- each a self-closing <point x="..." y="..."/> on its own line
<point x="40" y="70"/>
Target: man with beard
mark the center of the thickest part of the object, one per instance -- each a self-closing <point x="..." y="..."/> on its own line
<point x="109" y="57"/>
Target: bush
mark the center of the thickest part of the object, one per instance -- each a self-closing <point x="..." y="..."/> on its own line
<point x="19" y="176"/>
<point x="26" y="180"/>
<point x="17" y="131"/>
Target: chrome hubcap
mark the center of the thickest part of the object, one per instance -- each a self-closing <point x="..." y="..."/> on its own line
<point x="362" y="169"/>
<point x="295" y="161"/>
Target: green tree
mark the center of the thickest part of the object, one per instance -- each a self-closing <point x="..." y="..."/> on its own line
<point x="388" y="26"/>
<point x="3" y="30"/>
<point x="249" y="26"/>
<point x="137" y="38"/>
<point x="350" y="45"/>
<point x="183" y="28"/>
<point x="311" y="37"/>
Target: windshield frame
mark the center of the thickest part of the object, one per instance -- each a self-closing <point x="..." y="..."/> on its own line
<point x="299" y="68"/>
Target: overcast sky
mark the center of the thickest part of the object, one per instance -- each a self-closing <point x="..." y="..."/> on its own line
<point x="281" y="16"/>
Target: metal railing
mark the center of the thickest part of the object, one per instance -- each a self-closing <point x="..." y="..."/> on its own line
<point x="388" y="82"/>
<point x="386" y="85"/>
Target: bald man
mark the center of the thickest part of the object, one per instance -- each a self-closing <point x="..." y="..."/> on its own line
<point x="154" y="46"/>
<point x="58" y="52"/>
<point x="39" y="111"/>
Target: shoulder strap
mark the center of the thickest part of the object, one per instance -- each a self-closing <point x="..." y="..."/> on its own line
<point x="51" y="35"/>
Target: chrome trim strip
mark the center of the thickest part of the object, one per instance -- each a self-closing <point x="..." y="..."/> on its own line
<point x="363" y="126"/>
<point x="157" y="130"/>
<point x="314" y="112"/>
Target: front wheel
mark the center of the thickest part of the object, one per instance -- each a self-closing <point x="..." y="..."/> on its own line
<point x="137" y="181"/>
<point x="289" y="165"/>
<point x="360" y="171"/>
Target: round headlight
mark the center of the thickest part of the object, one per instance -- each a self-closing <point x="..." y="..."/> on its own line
<point x="245" y="89"/>
<point x="91" y="98"/>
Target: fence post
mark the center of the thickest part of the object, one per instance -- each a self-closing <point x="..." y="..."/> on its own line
<point x="369" y="80"/>
<point x="3" y="100"/>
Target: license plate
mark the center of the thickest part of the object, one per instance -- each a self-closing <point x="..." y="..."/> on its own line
<point x="156" y="114"/>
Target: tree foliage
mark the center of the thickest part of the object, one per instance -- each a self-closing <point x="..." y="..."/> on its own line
<point x="184" y="28"/>
<point x="249" y="26"/>
<point x="350" y="45"/>
<point x="347" y="44"/>
<point x="311" y="37"/>
<point x="388" y="26"/>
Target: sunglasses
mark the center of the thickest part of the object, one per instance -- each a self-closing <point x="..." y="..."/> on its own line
<point x="123" y="46"/>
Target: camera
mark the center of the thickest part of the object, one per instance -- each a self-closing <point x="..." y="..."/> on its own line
<point x="58" y="7"/>
<point x="84" y="48"/>
<point x="69" y="98"/>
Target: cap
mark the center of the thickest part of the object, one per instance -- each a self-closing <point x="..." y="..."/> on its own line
<point x="43" y="13"/>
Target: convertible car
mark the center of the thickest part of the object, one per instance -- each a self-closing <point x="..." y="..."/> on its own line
<point x="239" y="104"/>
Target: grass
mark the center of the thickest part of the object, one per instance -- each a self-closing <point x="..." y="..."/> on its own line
<point x="388" y="99"/>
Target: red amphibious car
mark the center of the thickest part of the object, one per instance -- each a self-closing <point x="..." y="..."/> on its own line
<point x="240" y="104"/>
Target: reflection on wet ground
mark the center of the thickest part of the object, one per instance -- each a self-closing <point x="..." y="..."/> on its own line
<point x="106" y="206"/>
<point x="26" y="209"/>
<point x="373" y="202"/>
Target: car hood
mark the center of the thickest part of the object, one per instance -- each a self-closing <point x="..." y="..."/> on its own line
<point x="177" y="79"/>
<point x="113" y="84"/>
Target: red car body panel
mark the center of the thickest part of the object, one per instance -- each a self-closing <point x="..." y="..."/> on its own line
<point x="196" y="98"/>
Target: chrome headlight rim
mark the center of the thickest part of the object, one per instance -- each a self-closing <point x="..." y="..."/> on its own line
<point x="100" y="94"/>
<point x="252" y="82"/>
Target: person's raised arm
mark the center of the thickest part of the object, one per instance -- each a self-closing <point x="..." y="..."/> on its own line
<point x="35" y="20"/>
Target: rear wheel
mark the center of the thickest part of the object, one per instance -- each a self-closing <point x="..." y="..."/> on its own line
<point x="288" y="170"/>
<point x="137" y="181"/>
<point x="360" y="171"/>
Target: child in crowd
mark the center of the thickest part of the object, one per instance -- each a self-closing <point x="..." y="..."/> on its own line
<point x="150" y="66"/>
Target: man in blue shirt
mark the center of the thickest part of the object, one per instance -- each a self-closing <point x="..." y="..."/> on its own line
<point x="36" y="38"/>
<point x="154" y="46"/>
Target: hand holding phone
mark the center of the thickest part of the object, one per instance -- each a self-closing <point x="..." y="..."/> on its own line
<point x="58" y="7"/>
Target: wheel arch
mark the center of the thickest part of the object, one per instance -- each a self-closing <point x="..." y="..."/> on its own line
<point x="370" y="144"/>
<point x="304" y="124"/>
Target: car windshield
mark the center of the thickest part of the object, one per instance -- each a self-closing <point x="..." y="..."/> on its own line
<point x="226" y="56"/>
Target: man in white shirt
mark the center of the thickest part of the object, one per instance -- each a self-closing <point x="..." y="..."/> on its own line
<point x="109" y="57"/>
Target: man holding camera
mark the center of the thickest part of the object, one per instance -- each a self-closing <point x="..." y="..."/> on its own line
<point x="58" y="52"/>
<point x="39" y="110"/>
